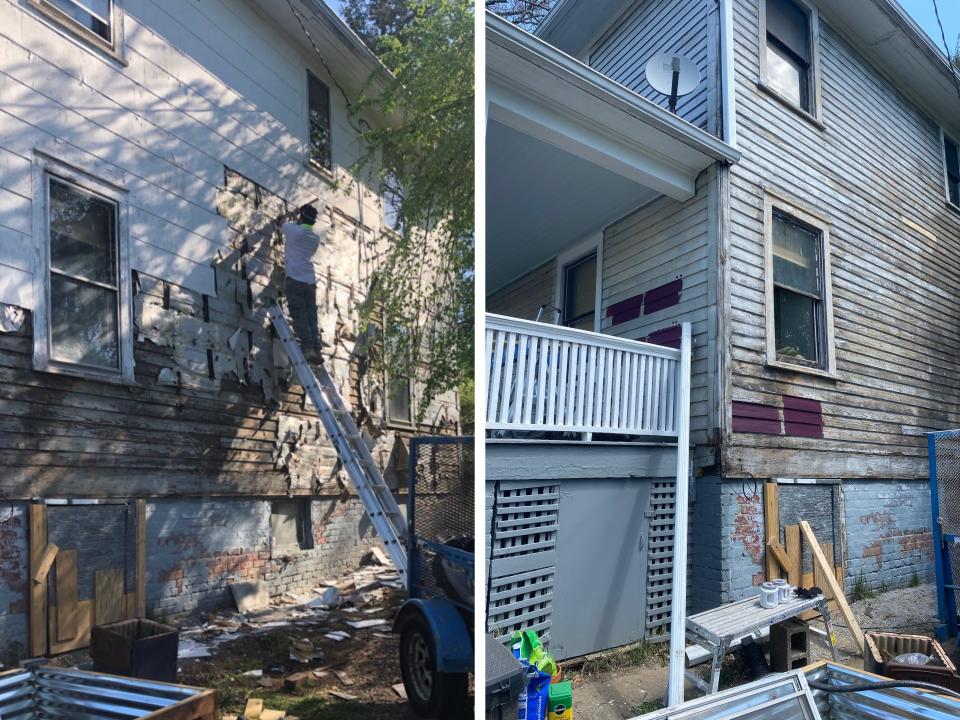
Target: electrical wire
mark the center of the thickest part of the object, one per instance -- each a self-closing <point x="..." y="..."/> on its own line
<point x="881" y="685"/>
<point x="946" y="48"/>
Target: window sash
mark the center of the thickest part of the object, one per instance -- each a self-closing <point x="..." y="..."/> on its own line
<point x="400" y="401"/>
<point x="318" y="108"/>
<point x="779" y="56"/>
<point x="573" y="277"/>
<point x="99" y="25"/>
<point x="951" y="154"/>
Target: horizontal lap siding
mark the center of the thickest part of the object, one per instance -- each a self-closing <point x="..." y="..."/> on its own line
<point x="205" y="85"/>
<point x="523" y="297"/>
<point x="877" y="163"/>
<point x="651" y="27"/>
<point x="650" y="248"/>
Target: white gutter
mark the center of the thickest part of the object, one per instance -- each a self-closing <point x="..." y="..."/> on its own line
<point x="727" y="74"/>
<point x="678" y="601"/>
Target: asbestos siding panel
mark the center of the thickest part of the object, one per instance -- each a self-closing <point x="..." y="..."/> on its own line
<point x="654" y="26"/>
<point x="523" y="297"/>
<point x="659" y="243"/>
<point x="205" y="85"/>
<point x="875" y="172"/>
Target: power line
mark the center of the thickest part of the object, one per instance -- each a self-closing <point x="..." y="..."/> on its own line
<point x="946" y="48"/>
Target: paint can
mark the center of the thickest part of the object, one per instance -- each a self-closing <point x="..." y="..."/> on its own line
<point x="769" y="595"/>
<point x="783" y="589"/>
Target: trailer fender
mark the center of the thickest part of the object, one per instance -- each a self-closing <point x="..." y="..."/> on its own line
<point x="451" y="637"/>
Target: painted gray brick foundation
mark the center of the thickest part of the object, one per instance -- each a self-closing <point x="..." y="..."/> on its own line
<point x="14" y="564"/>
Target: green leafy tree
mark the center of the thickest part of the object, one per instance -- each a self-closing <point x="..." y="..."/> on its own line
<point x="373" y="20"/>
<point x="422" y="294"/>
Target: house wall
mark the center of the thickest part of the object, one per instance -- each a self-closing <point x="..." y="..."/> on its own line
<point x="205" y="125"/>
<point x="523" y="297"/>
<point x="661" y="26"/>
<point x="875" y="170"/>
<point x="658" y="272"/>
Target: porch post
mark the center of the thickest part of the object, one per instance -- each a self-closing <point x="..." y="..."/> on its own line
<point x="678" y="604"/>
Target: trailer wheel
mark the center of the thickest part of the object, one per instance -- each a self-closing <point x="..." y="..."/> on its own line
<point x="432" y="694"/>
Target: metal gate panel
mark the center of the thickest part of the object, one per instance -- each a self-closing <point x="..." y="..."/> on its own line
<point x="944" y="449"/>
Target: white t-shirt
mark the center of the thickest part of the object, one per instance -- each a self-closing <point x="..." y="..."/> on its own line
<point x="299" y="245"/>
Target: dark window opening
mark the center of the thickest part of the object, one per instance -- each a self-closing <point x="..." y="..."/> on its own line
<point x="318" y="100"/>
<point x="92" y="15"/>
<point x="788" y="51"/>
<point x="580" y="293"/>
<point x="952" y="155"/>
<point x="399" y="407"/>
<point x="798" y="303"/>
<point x="84" y="284"/>
<point x="291" y="524"/>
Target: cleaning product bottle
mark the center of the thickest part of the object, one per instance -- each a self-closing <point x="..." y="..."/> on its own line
<point x="560" y="701"/>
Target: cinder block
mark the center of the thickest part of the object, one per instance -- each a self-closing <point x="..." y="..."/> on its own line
<point x="789" y="645"/>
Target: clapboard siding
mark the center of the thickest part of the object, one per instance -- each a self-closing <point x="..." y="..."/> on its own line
<point x="650" y="27"/>
<point x="205" y="85"/>
<point x="875" y="171"/>
<point x="523" y="297"/>
<point x="659" y="243"/>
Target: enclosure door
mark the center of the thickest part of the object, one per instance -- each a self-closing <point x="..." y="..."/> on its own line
<point x="600" y="593"/>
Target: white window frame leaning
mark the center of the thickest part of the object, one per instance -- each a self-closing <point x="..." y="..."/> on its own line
<point x="773" y="199"/>
<point x="815" y="112"/>
<point x="113" y="48"/>
<point x="46" y="165"/>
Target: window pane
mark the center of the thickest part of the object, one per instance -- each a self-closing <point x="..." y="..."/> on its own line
<point x="580" y="293"/>
<point x="91" y="14"/>
<point x="796" y="255"/>
<point x="787" y="76"/>
<point x="795" y="325"/>
<point x="82" y="234"/>
<point x="319" y="102"/>
<point x="789" y="24"/>
<point x="398" y="404"/>
<point x="83" y="323"/>
<point x="953" y="161"/>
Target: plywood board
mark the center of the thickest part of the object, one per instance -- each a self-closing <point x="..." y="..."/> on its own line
<point x="794" y="554"/>
<point x="109" y="598"/>
<point x="66" y="574"/>
<point x="84" y="624"/>
<point x="38" y="591"/>
<point x="250" y="595"/>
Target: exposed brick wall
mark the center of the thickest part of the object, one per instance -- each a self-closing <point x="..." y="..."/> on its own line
<point x="14" y="566"/>
<point x="889" y="532"/>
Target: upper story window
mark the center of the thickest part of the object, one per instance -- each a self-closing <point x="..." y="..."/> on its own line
<point x="97" y="21"/>
<point x="318" y="98"/>
<point x="81" y="289"/>
<point x="799" y="316"/>
<point x="952" y="163"/>
<point x="579" y="293"/>
<point x="788" y="65"/>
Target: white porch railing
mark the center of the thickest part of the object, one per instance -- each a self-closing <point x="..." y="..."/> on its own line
<point x="550" y="378"/>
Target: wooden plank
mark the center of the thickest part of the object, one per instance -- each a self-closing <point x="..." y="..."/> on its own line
<point x="109" y="598"/>
<point x="82" y="637"/>
<point x="828" y="574"/>
<point x="780" y="555"/>
<point x="140" y="609"/>
<point x="67" y="618"/>
<point x="130" y="606"/>
<point x="46" y="562"/>
<point x="771" y="526"/>
<point x="38" y="591"/>
<point x="794" y="554"/>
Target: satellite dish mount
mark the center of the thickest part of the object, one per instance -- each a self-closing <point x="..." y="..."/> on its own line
<point x="673" y="75"/>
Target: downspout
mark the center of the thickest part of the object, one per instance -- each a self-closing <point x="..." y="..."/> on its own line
<point x="727" y="79"/>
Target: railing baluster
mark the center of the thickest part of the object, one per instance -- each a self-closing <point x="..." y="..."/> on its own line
<point x="509" y="365"/>
<point x="518" y="393"/>
<point x="655" y="400"/>
<point x="582" y="355"/>
<point x="562" y="385"/>
<point x="572" y="384"/>
<point x="591" y="386"/>
<point x="608" y="389"/>
<point x="542" y="380"/>
<point x="493" y="387"/>
<point x="617" y="388"/>
<point x="528" y="385"/>
<point x="552" y="366"/>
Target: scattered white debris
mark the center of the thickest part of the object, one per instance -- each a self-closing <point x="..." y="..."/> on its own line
<point x="190" y="648"/>
<point x="11" y="318"/>
<point x="337" y="635"/>
<point x="254" y="673"/>
<point x="362" y="624"/>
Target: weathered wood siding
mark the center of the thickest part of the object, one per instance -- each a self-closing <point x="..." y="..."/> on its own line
<point x="523" y="297"/>
<point x="665" y="252"/>
<point x="654" y="26"/>
<point x="875" y="171"/>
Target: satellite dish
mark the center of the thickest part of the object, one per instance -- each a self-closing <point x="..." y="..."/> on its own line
<point x="672" y="75"/>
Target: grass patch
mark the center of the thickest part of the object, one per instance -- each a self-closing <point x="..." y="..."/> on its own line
<point x="860" y="589"/>
<point x="648" y="707"/>
<point x="914" y="579"/>
<point x="635" y="655"/>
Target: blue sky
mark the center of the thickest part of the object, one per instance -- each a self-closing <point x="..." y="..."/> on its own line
<point x="920" y="10"/>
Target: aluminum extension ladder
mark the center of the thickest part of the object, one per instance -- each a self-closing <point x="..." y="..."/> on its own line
<point x="378" y="501"/>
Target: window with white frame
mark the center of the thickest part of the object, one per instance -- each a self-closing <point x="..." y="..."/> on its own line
<point x="951" y="160"/>
<point x="579" y="293"/>
<point x="799" y="313"/>
<point x="318" y="98"/>
<point x="94" y="20"/>
<point x="788" y="52"/>
<point x="81" y="289"/>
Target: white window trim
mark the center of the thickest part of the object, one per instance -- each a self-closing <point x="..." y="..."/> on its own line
<point x="326" y="173"/>
<point x="44" y="165"/>
<point x="815" y="113"/>
<point x="591" y="244"/>
<point x="943" y="163"/>
<point x="115" y="48"/>
<point x="774" y="199"/>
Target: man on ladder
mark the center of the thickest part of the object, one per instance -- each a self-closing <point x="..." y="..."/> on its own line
<point x="300" y="243"/>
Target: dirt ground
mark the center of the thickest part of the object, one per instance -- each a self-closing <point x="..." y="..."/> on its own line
<point x="250" y="656"/>
<point x="627" y="683"/>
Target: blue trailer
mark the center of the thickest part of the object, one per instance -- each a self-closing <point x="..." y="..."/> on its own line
<point x="435" y="624"/>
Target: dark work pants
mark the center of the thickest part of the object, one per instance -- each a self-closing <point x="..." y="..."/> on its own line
<point x="302" y="303"/>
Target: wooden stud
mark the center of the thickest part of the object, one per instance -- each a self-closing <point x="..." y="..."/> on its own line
<point x="67" y="613"/>
<point x="141" y="589"/>
<point x="794" y="554"/>
<point x="827" y="571"/>
<point x="46" y="562"/>
<point x="771" y="525"/>
<point x="780" y="555"/>
<point x="38" y="591"/>
<point x="109" y="598"/>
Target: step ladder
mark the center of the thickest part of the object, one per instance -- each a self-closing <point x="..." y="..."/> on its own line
<point x="376" y="497"/>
